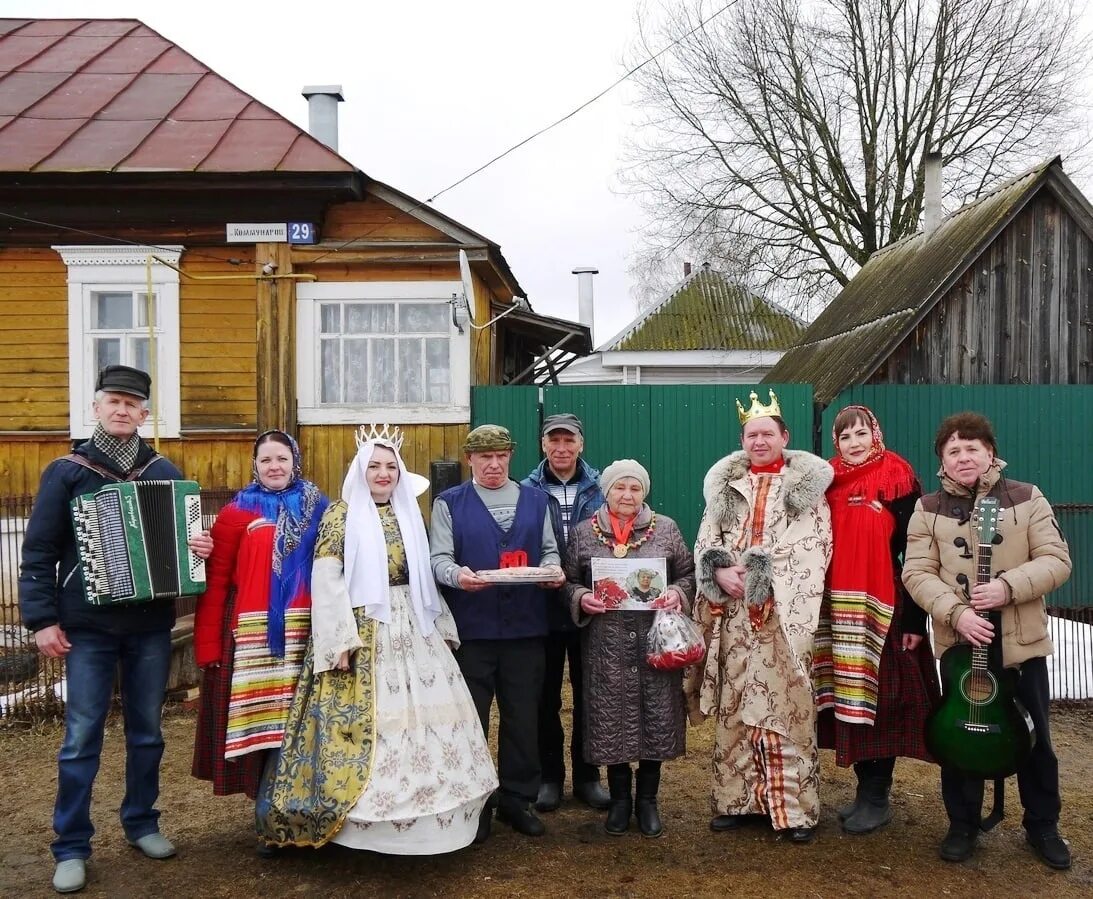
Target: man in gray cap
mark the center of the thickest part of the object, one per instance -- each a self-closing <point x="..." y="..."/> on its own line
<point x="93" y="639"/>
<point x="574" y="490"/>
<point x="486" y="523"/>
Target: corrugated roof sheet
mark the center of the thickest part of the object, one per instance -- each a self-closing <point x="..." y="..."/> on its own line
<point x="896" y="288"/>
<point x="709" y="311"/>
<point x="80" y="95"/>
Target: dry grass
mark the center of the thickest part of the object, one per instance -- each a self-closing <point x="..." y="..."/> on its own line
<point x="216" y="845"/>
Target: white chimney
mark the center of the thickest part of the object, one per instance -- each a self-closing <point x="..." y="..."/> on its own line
<point x="931" y="193"/>
<point x="322" y="112"/>
<point x="585" y="307"/>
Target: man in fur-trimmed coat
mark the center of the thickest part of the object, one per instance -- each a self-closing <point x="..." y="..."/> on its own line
<point x="761" y="556"/>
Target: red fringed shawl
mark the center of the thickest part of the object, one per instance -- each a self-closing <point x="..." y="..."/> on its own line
<point x="861" y="584"/>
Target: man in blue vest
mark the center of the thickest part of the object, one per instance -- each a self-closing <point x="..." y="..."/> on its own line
<point x="486" y="523"/>
<point x="574" y="491"/>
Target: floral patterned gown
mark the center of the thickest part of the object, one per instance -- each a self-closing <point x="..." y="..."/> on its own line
<point x="389" y="756"/>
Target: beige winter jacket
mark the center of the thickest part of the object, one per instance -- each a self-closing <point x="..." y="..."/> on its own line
<point x="1032" y="559"/>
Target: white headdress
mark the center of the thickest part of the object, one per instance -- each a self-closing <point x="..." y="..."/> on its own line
<point x="366" y="547"/>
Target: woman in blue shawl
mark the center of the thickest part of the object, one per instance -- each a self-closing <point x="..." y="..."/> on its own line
<point x="253" y="621"/>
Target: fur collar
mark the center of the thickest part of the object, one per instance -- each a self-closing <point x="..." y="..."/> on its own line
<point x="806" y="478"/>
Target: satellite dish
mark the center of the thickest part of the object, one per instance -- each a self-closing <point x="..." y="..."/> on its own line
<point x="468" y="284"/>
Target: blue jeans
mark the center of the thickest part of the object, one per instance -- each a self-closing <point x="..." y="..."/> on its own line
<point x="90" y="667"/>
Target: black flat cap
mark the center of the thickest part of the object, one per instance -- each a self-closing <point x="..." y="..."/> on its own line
<point x="123" y="379"/>
<point x="563" y="421"/>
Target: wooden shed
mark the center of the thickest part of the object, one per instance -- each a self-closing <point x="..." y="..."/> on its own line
<point x="1001" y="292"/>
<point x="123" y="160"/>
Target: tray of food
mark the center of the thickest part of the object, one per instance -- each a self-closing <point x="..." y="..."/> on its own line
<point x="521" y="574"/>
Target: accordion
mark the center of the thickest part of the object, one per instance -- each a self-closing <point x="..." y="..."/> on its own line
<point x="131" y="539"/>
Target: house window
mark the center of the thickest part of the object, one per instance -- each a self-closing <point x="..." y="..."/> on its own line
<point x="108" y="314"/>
<point x="381" y="350"/>
<point x="118" y="328"/>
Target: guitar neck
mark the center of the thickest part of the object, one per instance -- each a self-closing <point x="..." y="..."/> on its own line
<point x="980" y="657"/>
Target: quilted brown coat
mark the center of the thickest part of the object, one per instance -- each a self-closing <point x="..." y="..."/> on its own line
<point x="632" y="711"/>
<point x="1032" y="558"/>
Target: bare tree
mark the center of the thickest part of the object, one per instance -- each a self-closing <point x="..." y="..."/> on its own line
<point x="796" y="132"/>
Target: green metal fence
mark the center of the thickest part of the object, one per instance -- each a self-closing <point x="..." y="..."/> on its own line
<point x="676" y="431"/>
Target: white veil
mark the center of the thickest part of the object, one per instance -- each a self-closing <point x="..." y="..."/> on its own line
<point x="366" y="548"/>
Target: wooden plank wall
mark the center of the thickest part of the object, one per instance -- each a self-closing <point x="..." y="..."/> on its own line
<point x="374" y="219"/>
<point x="218" y="343"/>
<point x="1022" y="314"/>
<point x="327" y="451"/>
<point x="213" y="460"/>
<point x="33" y="340"/>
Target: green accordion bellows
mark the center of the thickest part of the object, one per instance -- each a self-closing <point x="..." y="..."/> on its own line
<point x="133" y="541"/>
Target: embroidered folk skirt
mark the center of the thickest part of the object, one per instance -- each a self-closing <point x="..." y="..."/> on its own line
<point x="390" y="755"/>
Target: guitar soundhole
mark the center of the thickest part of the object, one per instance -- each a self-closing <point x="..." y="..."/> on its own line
<point x="979" y="687"/>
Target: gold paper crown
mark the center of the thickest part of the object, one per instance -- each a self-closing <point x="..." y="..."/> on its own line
<point x="387" y="434"/>
<point x="758" y="410"/>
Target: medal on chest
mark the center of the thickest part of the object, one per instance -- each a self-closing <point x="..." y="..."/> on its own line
<point x="620" y="550"/>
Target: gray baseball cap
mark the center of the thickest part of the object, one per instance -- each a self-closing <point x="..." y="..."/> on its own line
<point x="563" y="421"/>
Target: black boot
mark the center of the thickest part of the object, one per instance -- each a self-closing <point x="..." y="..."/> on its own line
<point x="619" y="781"/>
<point x="646" y="796"/>
<point x="845" y="811"/>
<point x="874" y="786"/>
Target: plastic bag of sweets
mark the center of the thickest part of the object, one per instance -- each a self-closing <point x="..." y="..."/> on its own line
<point x="674" y="641"/>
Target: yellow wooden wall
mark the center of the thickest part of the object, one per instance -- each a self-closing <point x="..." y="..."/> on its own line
<point x="33" y="340"/>
<point x="327" y="451"/>
<point x="222" y="460"/>
<point x="218" y="339"/>
<point x="217" y="320"/>
<point x="218" y="352"/>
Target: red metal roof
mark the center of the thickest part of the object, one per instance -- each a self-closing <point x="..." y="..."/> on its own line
<point x="112" y="95"/>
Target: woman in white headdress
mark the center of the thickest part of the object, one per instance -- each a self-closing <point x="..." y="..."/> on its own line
<point x="383" y="749"/>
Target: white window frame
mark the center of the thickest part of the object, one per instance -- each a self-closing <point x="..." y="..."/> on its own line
<point x="98" y="269"/>
<point x="309" y="294"/>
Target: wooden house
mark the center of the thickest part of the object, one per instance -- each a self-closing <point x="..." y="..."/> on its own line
<point x="123" y="161"/>
<point x="708" y="329"/>
<point x="1000" y="292"/>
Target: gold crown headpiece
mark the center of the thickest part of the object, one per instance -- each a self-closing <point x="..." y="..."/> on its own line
<point x="758" y="410"/>
<point x="387" y="434"/>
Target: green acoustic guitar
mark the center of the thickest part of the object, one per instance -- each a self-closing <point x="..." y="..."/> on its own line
<point x="980" y="728"/>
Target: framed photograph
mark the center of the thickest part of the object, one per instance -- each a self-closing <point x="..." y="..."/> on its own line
<point x="629" y="584"/>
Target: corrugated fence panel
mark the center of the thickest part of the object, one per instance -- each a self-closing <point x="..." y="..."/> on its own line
<point x="516" y="408"/>
<point x="676" y="431"/>
<point x="1045" y="434"/>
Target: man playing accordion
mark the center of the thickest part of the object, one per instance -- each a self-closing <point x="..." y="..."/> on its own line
<point x="93" y="639"/>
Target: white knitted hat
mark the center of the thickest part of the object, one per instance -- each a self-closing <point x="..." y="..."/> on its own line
<point x="624" y="468"/>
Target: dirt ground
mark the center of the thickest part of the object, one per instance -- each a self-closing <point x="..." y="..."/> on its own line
<point x="216" y="855"/>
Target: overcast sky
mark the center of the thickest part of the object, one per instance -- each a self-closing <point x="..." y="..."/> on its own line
<point x="433" y="89"/>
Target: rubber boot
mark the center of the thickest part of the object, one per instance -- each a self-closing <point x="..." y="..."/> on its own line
<point x="619" y="781"/>
<point x="847" y="810"/>
<point x="646" y="796"/>
<point x="874" y="811"/>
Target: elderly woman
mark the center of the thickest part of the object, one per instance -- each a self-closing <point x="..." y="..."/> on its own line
<point x="1029" y="560"/>
<point x="252" y="622"/>
<point x="383" y="748"/>
<point x="633" y="713"/>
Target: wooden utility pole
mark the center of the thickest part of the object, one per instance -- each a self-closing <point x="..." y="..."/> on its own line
<point x="276" y="358"/>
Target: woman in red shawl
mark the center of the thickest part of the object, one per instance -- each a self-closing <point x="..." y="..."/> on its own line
<point x="874" y="673"/>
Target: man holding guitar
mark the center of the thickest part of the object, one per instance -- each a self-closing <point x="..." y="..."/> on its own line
<point x="984" y="547"/>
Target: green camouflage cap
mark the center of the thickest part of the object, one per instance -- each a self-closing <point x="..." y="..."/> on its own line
<point x="488" y="439"/>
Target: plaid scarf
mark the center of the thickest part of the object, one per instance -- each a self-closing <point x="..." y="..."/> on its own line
<point x="123" y="453"/>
